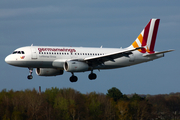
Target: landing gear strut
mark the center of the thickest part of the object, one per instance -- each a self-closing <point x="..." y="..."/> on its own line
<point x="73" y="78"/>
<point x="92" y="76"/>
<point x="30" y="74"/>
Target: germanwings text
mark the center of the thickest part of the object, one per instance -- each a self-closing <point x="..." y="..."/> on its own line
<point x="57" y="50"/>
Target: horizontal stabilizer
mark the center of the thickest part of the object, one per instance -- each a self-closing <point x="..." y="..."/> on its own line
<point x="147" y="55"/>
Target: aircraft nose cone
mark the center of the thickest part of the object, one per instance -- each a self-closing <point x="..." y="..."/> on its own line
<point x="10" y="60"/>
<point x="7" y="59"/>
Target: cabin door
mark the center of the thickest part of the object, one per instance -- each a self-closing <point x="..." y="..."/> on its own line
<point x="33" y="53"/>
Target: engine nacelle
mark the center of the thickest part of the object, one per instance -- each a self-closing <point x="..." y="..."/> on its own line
<point x="75" y="66"/>
<point x="48" y="72"/>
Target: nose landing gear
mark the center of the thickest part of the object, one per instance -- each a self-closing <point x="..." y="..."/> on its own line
<point x="30" y="74"/>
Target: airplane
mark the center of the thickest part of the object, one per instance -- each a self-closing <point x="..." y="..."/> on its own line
<point x="53" y="61"/>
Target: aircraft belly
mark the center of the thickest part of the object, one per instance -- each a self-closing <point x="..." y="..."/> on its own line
<point x="120" y="62"/>
<point x="33" y="64"/>
<point x="117" y="63"/>
<point x="124" y="61"/>
<point x="59" y="63"/>
<point x="40" y="64"/>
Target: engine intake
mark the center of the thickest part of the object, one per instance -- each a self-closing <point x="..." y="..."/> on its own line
<point x="75" y="66"/>
<point x="48" y="72"/>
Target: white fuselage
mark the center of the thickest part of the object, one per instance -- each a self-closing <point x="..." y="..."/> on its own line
<point x="55" y="57"/>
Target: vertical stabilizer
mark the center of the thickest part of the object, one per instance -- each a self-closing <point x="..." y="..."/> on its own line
<point x="147" y="37"/>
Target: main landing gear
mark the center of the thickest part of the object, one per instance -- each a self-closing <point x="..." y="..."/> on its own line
<point x="73" y="78"/>
<point x="92" y="76"/>
<point x="30" y="74"/>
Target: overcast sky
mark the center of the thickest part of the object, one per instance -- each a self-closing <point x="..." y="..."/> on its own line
<point x="93" y="23"/>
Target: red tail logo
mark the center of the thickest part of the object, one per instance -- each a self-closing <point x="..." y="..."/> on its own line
<point x="147" y="37"/>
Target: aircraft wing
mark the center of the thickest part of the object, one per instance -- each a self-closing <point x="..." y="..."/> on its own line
<point x="96" y="60"/>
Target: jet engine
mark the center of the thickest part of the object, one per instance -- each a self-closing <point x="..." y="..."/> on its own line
<point x="48" y="72"/>
<point x="75" y="66"/>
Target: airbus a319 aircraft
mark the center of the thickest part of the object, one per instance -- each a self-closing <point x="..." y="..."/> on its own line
<point x="52" y="61"/>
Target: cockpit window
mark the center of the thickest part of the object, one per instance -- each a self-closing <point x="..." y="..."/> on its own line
<point x="18" y="52"/>
<point x="14" y="52"/>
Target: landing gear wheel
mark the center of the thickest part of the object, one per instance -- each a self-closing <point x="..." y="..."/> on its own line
<point x="29" y="77"/>
<point x="92" y="76"/>
<point x="73" y="78"/>
<point x="30" y="74"/>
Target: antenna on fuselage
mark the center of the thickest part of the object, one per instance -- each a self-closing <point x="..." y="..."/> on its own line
<point x="101" y="46"/>
<point x="31" y="44"/>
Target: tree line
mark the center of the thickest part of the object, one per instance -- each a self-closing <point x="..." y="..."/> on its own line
<point x="69" y="104"/>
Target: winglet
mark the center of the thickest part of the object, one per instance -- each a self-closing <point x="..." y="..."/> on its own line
<point x="139" y="48"/>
